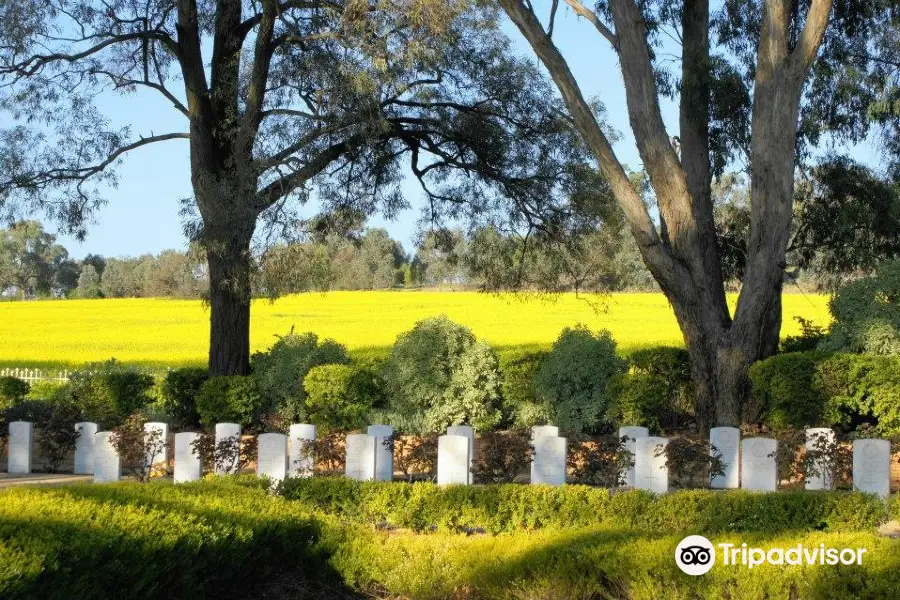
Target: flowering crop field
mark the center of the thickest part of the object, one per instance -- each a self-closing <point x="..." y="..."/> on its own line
<point x="164" y="332"/>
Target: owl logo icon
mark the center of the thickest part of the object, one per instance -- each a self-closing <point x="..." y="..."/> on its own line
<point x="695" y="555"/>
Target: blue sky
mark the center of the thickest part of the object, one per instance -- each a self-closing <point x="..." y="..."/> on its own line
<point x="142" y="214"/>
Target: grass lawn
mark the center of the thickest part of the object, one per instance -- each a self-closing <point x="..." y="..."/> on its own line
<point x="163" y="332"/>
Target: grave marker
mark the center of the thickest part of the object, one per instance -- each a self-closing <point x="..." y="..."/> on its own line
<point x="633" y="434"/>
<point x="21" y="447"/>
<point x="225" y="431"/>
<point x="650" y="471"/>
<point x="384" y="453"/>
<point x="453" y="460"/>
<point x="758" y="471"/>
<point x="549" y="464"/>
<point x="302" y="462"/>
<point x="107" y="466"/>
<point x="84" y="448"/>
<point x="272" y="456"/>
<point x="727" y="441"/>
<point x="187" y="464"/>
<point x="822" y="481"/>
<point x="468" y="432"/>
<point x="872" y="466"/>
<point x="360" y="457"/>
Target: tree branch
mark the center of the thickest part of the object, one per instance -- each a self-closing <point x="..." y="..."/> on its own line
<point x="583" y="11"/>
<point x="813" y="31"/>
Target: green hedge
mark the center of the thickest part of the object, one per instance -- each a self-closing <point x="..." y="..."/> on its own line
<point x="210" y="539"/>
<point x="512" y="508"/>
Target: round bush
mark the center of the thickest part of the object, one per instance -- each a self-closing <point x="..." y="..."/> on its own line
<point x="572" y="379"/>
<point x="339" y="397"/>
<point x="783" y="394"/>
<point x="639" y="399"/>
<point x="179" y="393"/>
<point x="439" y="375"/>
<point x="867" y="313"/>
<point x="12" y="391"/>
<point x="107" y="392"/>
<point x="229" y="399"/>
<point x="281" y="370"/>
<point x="521" y="407"/>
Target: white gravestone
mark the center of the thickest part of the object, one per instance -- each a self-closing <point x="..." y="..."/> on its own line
<point x="302" y="461"/>
<point x="384" y="452"/>
<point x="453" y="459"/>
<point x="225" y="431"/>
<point x="727" y="441"/>
<point x="758" y="471"/>
<point x="650" y="471"/>
<point x="872" y="466"/>
<point x="632" y="434"/>
<point x="544" y="430"/>
<point x="549" y="464"/>
<point x="536" y="432"/>
<point x="271" y="456"/>
<point x="21" y="447"/>
<point x="107" y="466"/>
<point x="84" y="448"/>
<point x="822" y="481"/>
<point x="468" y="432"/>
<point x="359" y="463"/>
<point x="159" y="454"/>
<point x="187" y="463"/>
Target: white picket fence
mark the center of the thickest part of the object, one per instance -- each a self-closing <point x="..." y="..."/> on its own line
<point x="31" y="375"/>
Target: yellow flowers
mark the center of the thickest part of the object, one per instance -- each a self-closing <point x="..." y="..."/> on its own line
<point x="163" y="332"/>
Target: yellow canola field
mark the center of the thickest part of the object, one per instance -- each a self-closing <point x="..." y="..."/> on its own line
<point x="164" y="332"/>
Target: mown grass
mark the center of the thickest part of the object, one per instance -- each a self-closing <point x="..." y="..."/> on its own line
<point x="229" y="537"/>
<point x="159" y="333"/>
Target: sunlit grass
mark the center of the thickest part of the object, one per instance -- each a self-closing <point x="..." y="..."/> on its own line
<point x="163" y="332"/>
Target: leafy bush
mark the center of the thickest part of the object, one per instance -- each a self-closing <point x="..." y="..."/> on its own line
<point x="691" y="462"/>
<point x="783" y="394"/>
<point x="46" y="390"/>
<point x="439" y="375"/>
<point x="228" y="455"/>
<point x="281" y="370"/>
<point x="520" y="405"/>
<point x="340" y="397"/>
<point x="12" y="391"/>
<point x="600" y="461"/>
<point x="638" y="399"/>
<point x="229" y="399"/>
<point x="510" y="508"/>
<point x="867" y="313"/>
<point x="107" y="392"/>
<point x="137" y="448"/>
<point x="179" y="394"/>
<point x="811" y="336"/>
<point x="572" y="379"/>
<point x="671" y="363"/>
<point x="57" y="434"/>
<point x="30" y="410"/>
<point x="502" y="456"/>
<point x="415" y="457"/>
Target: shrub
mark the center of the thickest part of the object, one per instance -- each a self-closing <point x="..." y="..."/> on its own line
<point x="30" y="410"/>
<point x="867" y="313"/>
<point x="107" y="392"/>
<point x="339" y="397"/>
<point x="415" y="457"/>
<point x="230" y="454"/>
<point x="670" y="363"/>
<point x="46" y="390"/>
<point x="638" y="399"/>
<point x="811" y="336"/>
<point x="137" y="448"/>
<point x="12" y="391"/>
<point x="179" y="394"/>
<point x="281" y="370"/>
<point x="502" y="456"/>
<point x="520" y="405"/>
<point x="229" y="399"/>
<point x="57" y="434"/>
<point x="783" y="394"/>
<point x="439" y="375"/>
<point x="598" y="461"/>
<point x="691" y="462"/>
<point x="572" y="379"/>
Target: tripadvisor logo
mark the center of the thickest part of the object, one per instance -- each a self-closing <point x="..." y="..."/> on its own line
<point x="696" y="555"/>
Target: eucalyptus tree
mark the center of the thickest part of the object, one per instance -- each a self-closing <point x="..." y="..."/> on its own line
<point x="282" y="101"/>
<point x="743" y="86"/>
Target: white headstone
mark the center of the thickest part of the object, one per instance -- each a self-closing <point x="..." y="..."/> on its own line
<point x="359" y="463"/>
<point x="84" y="448"/>
<point x="453" y="459"/>
<point x="758" y="471"/>
<point x="468" y="432"/>
<point x="549" y="464"/>
<point x="632" y="434"/>
<point x="650" y="471"/>
<point x="544" y="430"/>
<point x="107" y="466"/>
<point x="21" y="447"/>
<point x="302" y="462"/>
<point x="160" y="451"/>
<point x="225" y="431"/>
<point x="727" y="440"/>
<point x="384" y="452"/>
<point x="822" y="481"/>
<point x="187" y="463"/>
<point x="271" y="456"/>
<point x="872" y="466"/>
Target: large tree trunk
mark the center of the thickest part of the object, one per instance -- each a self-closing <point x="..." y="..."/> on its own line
<point x="228" y="253"/>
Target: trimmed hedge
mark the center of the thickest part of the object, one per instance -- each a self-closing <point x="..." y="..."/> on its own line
<point x="512" y="508"/>
<point x="212" y="539"/>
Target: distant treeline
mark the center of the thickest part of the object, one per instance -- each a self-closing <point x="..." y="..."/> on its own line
<point x="34" y="265"/>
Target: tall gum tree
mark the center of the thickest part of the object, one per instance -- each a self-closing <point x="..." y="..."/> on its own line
<point x="282" y="101"/>
<point x="681" y="252"/>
